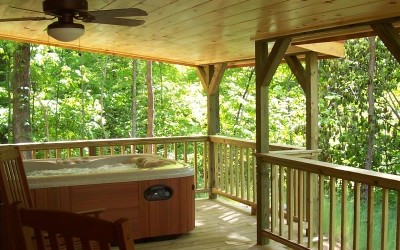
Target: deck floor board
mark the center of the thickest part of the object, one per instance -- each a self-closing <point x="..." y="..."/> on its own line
<point x="219" y="225"/>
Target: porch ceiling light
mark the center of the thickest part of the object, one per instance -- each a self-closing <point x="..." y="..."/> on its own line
<point x="65" y="32"/>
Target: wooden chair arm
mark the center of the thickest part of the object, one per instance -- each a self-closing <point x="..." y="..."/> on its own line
<point x="92" y="212"/>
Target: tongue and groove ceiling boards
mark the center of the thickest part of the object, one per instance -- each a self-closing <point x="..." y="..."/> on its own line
<point x="201" y="32"/>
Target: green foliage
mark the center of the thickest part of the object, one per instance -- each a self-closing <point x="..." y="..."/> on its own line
<point x="75" y="95"/>
<point x="287" y="106"/>
<point x="344" y="108"/>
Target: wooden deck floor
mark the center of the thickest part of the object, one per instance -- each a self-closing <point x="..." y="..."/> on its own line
<point x="219" y="225"/>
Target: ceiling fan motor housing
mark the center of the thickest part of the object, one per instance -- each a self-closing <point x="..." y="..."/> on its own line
<point x="59" y="7"/>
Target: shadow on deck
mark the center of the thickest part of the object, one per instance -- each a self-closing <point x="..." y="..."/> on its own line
<point x="219" y="225"/>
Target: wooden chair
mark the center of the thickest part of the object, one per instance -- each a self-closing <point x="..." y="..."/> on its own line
<point x="14" y="188"/>
<point x="69" y="231"/>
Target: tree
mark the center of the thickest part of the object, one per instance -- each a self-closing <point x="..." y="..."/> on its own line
<point x="134" y="99"/>
<point x="21" y="94"/>
<point x="371" y="104"/>
<point x="150" y="101"/>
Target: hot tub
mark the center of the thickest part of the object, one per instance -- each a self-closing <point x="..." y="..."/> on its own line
<point x="154" y="193"/>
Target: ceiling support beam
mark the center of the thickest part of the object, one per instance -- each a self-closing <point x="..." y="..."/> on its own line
<point x="334" y="33"/>
<point x="297" y="69"/>
<point x="390" y="37"/>
<point x="274" y="59"/>
<point x="265" y="67"/>
<point x="210" y="77"/>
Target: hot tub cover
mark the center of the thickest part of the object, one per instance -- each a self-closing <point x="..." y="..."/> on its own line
<point x="102" y="169"/>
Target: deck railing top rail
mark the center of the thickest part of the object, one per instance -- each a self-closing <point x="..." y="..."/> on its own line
<point x="372" y="178"/>
<point x="106" y="142"/>
<point x="250" y="143"/>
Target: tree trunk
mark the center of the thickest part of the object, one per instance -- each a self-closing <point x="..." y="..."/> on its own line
<point x="83" y="111"/>
<point x="150" y="103"/>
<point x="371" y="104"/>
<point x="21" y="94"/>
<point x="239" y="111"/>
<point x="371" y="112"/>
<point x="102" y="118"/>
<point x="134" y="99"/>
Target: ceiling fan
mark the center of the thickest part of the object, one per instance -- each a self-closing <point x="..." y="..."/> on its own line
<point x="65" y="30"/>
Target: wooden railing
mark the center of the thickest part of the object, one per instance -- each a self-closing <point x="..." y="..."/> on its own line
<point x="313" y="204"/>
<point x="192" y="150"/>
<point x="235" y="167"/>
<point x="336" y="207"/>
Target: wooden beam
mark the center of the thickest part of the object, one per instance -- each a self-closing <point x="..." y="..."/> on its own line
<point x="311" y="90"/>
<point x="275" y="58"/>
<point x="216" y="77"/>
<point x="297" y="69"/>
<point x="309" y="36"/>
<point x="262" y="140"/>
<point x="390" y="37"/>
<point x="210" y="77"/>
<point x="201" y="72"/>
<point x="335" y="49"/>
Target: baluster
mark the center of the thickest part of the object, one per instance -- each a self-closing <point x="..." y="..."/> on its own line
<point x="290" y="205"/>
<point x="242" y="183"/>
<point x="398" y="222"/>
<point x="385" y="215"/>
<point x="370" y="218"/>
<point x="195" y="165"/>
<point x="321" y="197"/>
<point x="332" y="213"/>
<point x="300" y="206"/>
<point x="274" y="202"/>
<point x="344" y="214"/>
<point x="281" y="200"/>
<point x="356" y="230"/>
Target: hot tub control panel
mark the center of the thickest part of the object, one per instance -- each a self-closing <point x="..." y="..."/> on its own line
<point x="158" y="193"/>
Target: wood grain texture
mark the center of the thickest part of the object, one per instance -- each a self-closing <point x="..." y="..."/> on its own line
<point x="203" y="32"/>
<point x="126" y="200"/>
<point x="219" y="225"/>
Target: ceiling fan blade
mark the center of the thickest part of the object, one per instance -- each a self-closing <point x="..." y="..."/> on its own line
<point x="118" y="21"/>
<point x="118" y="13"/>
<point x="18" y="8"/>
<point x="25" y="19"/>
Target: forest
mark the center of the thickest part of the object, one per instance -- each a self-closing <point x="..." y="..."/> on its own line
<point x="54" y="94"/>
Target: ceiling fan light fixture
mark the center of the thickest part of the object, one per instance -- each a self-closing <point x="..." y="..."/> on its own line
<point x="65" y="32"/>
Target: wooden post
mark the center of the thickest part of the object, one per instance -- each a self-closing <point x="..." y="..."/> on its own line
<point x="262" y="140"/>
<point x="92" y="151"/>
<point x="211" y="76"/>
<point x="311" y="90"/>
<point x="266" y="65"/>
<point x="308" y="80"/>
<point x="390" y="37"/>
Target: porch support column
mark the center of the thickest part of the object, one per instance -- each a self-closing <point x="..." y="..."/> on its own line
<point x="211" y="76"/>
<point x="266" y="66"/>
<point x="390" y="37"/>
<point x="311" y="90"/>
<point x="308" y="80"/>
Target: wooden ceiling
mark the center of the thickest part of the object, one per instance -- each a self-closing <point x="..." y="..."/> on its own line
<point x="200" y="32"/>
